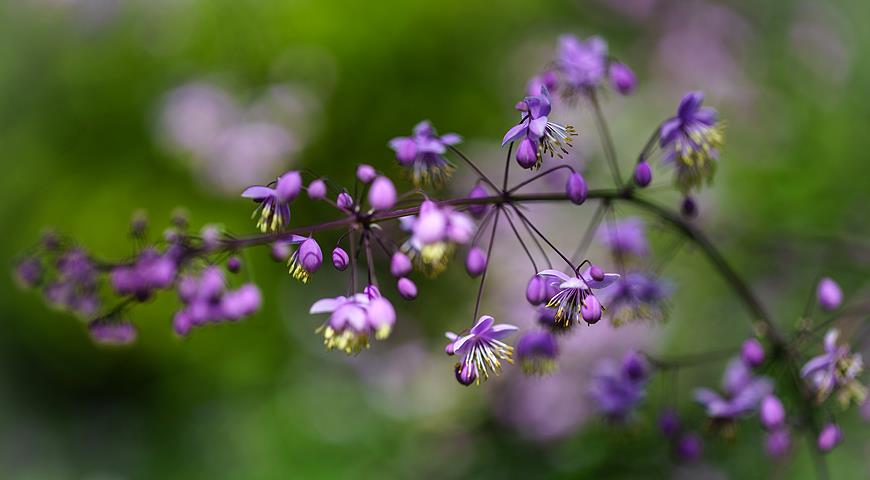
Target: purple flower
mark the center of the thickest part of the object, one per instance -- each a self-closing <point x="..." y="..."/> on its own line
<point x="150" y="272"/>
<point x="583" y="64"/>
<point x="642" y="174"/>
<point x="576" y="188"/>
<point x="625" y="237"/>
<point x="407" y="288"/>
<point x="742" y="393"/>
<point x="75" y="284"/>
<point x="836" y="369"/>
<point x="353" y="320"/>
<point x="691" y="140"/>
<point x="109" y="332"/>
<point x="305" y="260"/>
<point x="477" y="192"/>
<point x="423" y="154"/>
<point x="206" y="299"/>
<point x="400" y="265"/>
<point x="435" y="231"/>
<point x="344" y="200"/>
<point x="274" y="203"/>
<point x="537" y="135"/>
<point x="480" y="349"/>
<point x="317" y="190"/>
<point x="366" y="173"/>
<point x="829" y="437"/>
<point x="829" y="294"/>
<point x="622" y="78"/>
<point x="537" y="351"/>
<point x="690" y="447"/>
<point x="638" y="296"/>
<point x="574" y="294"/>
<point x="245" y="301"/>
<point x="772" y="413"/>
<point x="548" y="80"/>
<point x="617" y="388"/>
<point x="475" y="261"/>
<point x="28" y="272"/>
<point x="669" y="423"/>
<point x="536" y="290"/>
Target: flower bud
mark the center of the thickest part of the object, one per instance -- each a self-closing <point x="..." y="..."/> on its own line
<point x="211" y="237"/>
<point x="365" y="173"/>
<point x="622" y="78"/>
<point x="431" y="224"/>
<point x="475" y="262"/>
<point x="407" y="288"/>
<point x="777" y="443"/>
<point x="344" y="200"/>
<point x="536" y="290"/>
<point x="752" y="353"/>
<point x="317" y="190"/>
<point x="310" y="255"/>
<point x="466" y="373"/>
<point x="690" y="447"/>
<point x="829" y="437"/>
<point x="829" y="294"/>
<point x="591" y="310"/>
<point x="340" y="259"/>
<point x="527" y="153"/>
<point x="288" y="186"/>
<point x="280" y="251"/>
<point x="689" y="208"/>
<point x="138" y="224"/>
<point x="576" y="188"/>
<point x="642" y="174"/>
<point x="772" y="413"/>
<point x="234" y="264"/>
<point x="382" y="195"/>
<point x="633" y="365"/>
<point x="381" y="317"/>
<point x="477" y="192"/>
<point x="669" y="423"/>
<point x="28" y="272"/>
<point x="400" y="265"/>
<point x="596" y="272"/>
<point x="181" y="323"/>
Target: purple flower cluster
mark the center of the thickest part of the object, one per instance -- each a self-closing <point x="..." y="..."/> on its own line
<point x="585" y="65"/>
<point x="624" y="238"/>
<point x="638" y="296"/>
<point x="423" y="154"/>
<point x="355" y="319"/>
<point x="618" y="388"/>
<point x="434" y="232"/>
<point x="75" y="286"/>
<point x="207" y="300"/>
<point x="151" y="271"/>
<point x="742" y="392"/>
<point x="112" y="332"/>
<point x="836" y="370"/>
<point x="690" y="141"/>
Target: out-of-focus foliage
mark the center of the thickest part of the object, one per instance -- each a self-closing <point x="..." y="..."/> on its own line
<point x="82" y="88"/>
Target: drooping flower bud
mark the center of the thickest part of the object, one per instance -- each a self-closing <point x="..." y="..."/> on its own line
<point x="690" y="447"/>
<point x="689" y="208"/>
<point x="466" y="373"/>
<point x="527" y="153"/>
<point x="669" y="423"/>
<point x="596" y="272"/>
<point x="537" y="351"/>
<point x="365" y="173"/>
<point x="340" y="259"/>
<point x="317" y="190"/>
<point x="622" y="78"/>
<point x="536" y="290"/>
<point x="382" y="317"/>
<point x="344" y="200"/>
<point x="477" y="210"/>
<point x="777" y="443"/>
<point x="576" y="188"/>
<point x="829" y="437"/>
<point x="280" y="251"/>
<point x="382" y="195"/>
<point x="591" y="310"/>
<point x="288" y="186"/>
<point x="431" y="224"/>
<point x="234" y="264"/>
<point x="306" y="260"/>
<point x="28" y="272"/>
<point x="400" y="265"/>
<point x="771" y="413"/>
<point x="642" y="174"/>
<point x="829" y="294"/>
<point x="475" y="262"/>
<point x="407" y="288"/>
<point x="752" y="353"/>
<point x="211" y="237"/>
<point x="634" y="366"/>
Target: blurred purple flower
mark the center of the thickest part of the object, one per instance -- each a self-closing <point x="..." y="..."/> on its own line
<point x="583" y="64"/>
<point x="353" y="320"/>
<point x="624" y="237"/>
<point x="423" y="154"/>
<point x="638" y="296"/>
<point x="618" y="388"/>
<point x="836" y="369"/>
<point x="690" y="141"/>
<point x="112" y="332"/>
<point x="536" y="134"/>
<point x="742" y="392"/>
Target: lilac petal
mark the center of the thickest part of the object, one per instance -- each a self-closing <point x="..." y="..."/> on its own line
<point x="514" y="133"/>
<point x="501" y="330"/>
<point x="483" y="325"/>
<point x="451" y="336"/>
<point x="815" y="364"/>
<point x="461" y="341"/>
<point x="831" y="340"/>
<point x="451" y="139"/>
<point x="424" y="129"/>
<point x="327" y="305"/>
<point x="555" y="273"/>
<point x="706" y="115"/>
<point x="669" y="130"/>
<point x="538" y="126"/>
<point x="609" y="279"/>
<point x="736" y="376"/>
<point x="706" y="396"/>
<point x="258" y="192"/>
<point x="689" y="105"/>
<point x="431" y="145"/>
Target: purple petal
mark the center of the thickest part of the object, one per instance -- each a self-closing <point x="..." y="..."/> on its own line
<point x="706" y="115"/>
<point x="258" y="192"/>
<point x="451" y="139"/>
<point x="514" y="133"/>
<point x="538" y="126"/>
<point x="669" y="131"/>
<point x="483" y="325"/>
<point x="460" y="342"/>
<point x="555" y="273"/>
<point x="327" y="305"/>
<point x="501" y="330"/>
<point x="609" y="279"/>
<point x="689" y="105"/>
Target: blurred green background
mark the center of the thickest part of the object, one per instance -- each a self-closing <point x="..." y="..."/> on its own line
<point x="85" y="94"/>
